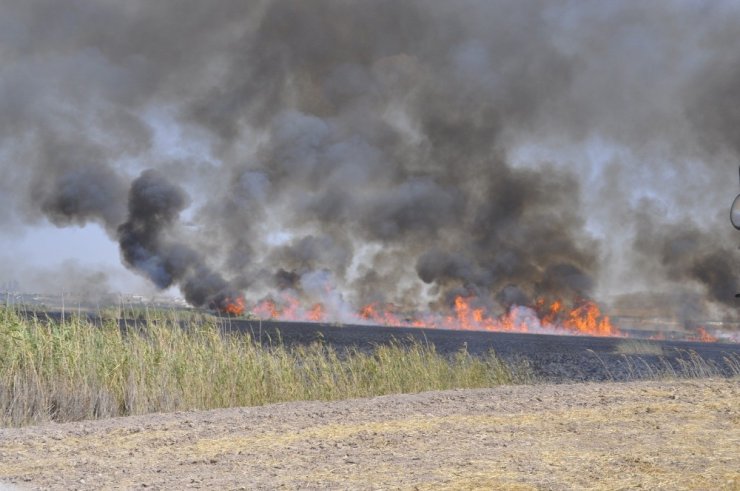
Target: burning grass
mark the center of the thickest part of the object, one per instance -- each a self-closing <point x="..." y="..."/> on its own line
<point x="582" y="317"/>
<point x="74" y="370"/>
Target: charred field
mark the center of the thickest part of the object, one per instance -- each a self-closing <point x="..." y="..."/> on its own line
<point x="551" y="357"/>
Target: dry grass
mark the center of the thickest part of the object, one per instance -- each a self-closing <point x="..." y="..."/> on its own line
<point x="74" y="370"/>
<point x="687" y="363"/>
<point x="639" y="347"/>
<point x="643" y="360"/>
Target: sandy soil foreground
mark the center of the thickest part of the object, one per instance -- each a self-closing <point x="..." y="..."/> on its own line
<point x="654" y="435"/>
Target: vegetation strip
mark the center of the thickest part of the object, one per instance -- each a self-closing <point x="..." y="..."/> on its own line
<point x="78" y="368"/>
<point x="74" y="370"/>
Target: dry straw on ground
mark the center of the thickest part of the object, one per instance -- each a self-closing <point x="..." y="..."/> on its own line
<point x="669" y="435"/>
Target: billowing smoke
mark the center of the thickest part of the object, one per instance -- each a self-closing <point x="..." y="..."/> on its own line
<point x="148" y="243"/>
<point x="403" y="152"/>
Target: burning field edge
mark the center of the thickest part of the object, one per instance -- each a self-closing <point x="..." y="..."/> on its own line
<point x="582" y="316"/>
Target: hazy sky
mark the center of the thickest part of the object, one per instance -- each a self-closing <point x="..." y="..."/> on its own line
<point x="79" y="260"/>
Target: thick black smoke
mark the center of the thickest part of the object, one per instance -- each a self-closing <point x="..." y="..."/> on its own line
<point x="401" y="152"/>
<point x="149" y="245"/>
<point x="154" y="205"/>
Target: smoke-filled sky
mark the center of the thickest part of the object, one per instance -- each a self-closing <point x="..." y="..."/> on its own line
<point x="393" y="151"/>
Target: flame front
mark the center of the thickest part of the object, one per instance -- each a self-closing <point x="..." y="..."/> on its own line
<point x="584" y="317"/>
<point x="233" y="306"/>
<point x="267" y="309"/>
<point x="316" y="314"/>
<point x="704" y="336"/>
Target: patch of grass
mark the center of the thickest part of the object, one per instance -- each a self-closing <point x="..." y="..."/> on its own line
<point x="638" y="347"/>
<point x="642" y="361"/>
<point x="694" y="366"/>
<point x="73" y="370"/>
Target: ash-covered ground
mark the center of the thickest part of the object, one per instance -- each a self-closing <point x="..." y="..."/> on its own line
<point x="551" y="357"/>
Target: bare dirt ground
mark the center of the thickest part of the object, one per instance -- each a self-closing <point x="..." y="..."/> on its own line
<point x="653" y="435"/>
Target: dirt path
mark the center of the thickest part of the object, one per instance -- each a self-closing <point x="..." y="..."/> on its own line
<point x="660" y="435"/>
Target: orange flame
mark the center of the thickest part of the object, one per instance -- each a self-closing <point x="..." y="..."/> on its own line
<point x="550" y="316"/>
<point x="290" y="309"/>
<point x="316" y="314"/>
<point x="471" y="318"/>
<point x="386" y="317"/>
<point x="266" y="309"/>
<point x="583" y="317"/>
<point x="587" y="318"/>
<point x="368" y="312"/>
<point x="233" y="306"/>
<point x="704" y="336"/>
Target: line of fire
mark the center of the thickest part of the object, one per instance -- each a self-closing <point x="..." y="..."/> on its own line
<point x="581" y="316"/>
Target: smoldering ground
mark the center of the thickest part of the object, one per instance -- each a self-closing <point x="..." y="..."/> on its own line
<point x="405" y="151"/>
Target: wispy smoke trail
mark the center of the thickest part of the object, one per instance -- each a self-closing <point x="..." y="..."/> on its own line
<point x="409" y="151"/>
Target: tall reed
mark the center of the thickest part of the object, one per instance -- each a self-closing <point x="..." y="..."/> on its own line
<point x="73" y="369"/>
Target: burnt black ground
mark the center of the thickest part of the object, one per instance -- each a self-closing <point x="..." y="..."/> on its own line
<point x="551" y="357"/>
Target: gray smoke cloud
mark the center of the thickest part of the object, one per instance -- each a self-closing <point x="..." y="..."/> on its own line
<point x="149" y="243"/>
<point x="407" y="152"/>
